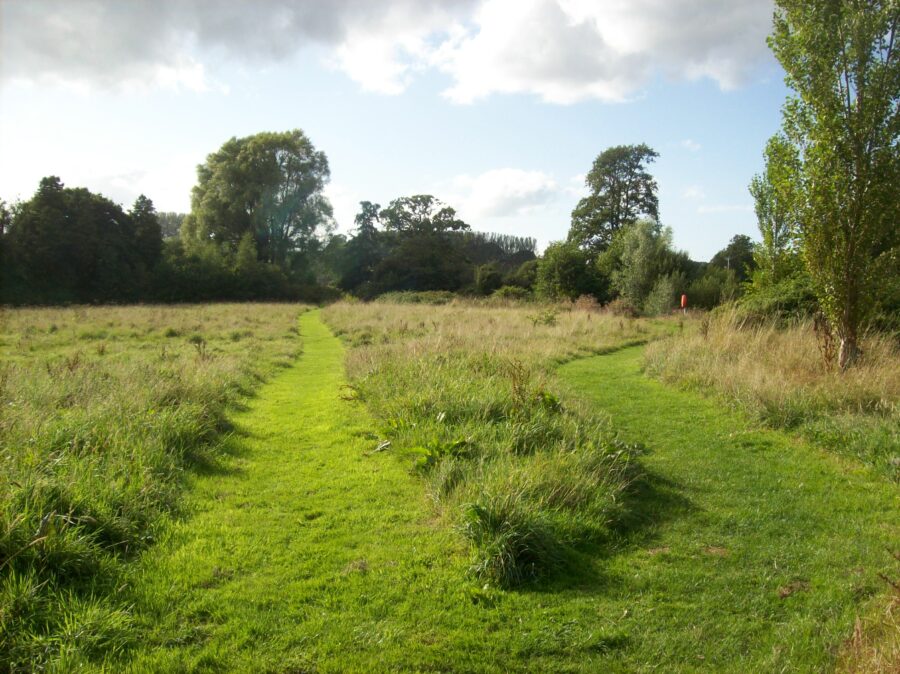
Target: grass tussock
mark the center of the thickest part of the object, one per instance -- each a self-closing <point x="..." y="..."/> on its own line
<point x="779" y="375"/>
<point x="102" y="410"/>
<point x="467" y="393"/>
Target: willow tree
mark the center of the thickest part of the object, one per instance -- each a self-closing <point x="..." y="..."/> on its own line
<point x="841" y="62"/>
<point x="268" y="184"/>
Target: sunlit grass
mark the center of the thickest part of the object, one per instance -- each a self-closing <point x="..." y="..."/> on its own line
<point x="101" y="412"/>
<point x="779" y="375"/>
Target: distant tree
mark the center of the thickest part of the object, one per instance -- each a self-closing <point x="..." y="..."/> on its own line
<point x="71" y="244"/>
<point x="488" y="278"/>
<point x="364" y="250"/>
<point x="565" y="272"/>
<point x="638" y="257"/>
<point x="842" y="64"/>
<point x="269" y="184"/>
<point x="737" y="256"/>
<point x="424" y="250"/>
<point x="622" y="190"/>
<point x="775" y="194"/>
<point x="524" y="276"/>
<point x="170" y="223"/>
<point x="420" y="214"/>
<point x="147" y="232"/>
<point x="5" y="217"/>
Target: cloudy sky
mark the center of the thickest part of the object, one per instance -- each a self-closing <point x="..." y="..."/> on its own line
<point x="498" y="107"/>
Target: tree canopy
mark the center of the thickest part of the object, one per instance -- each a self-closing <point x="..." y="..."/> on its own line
<point x="269" y="184"/>
<point x="843" y="123"/>
<point x="622" y="190"/>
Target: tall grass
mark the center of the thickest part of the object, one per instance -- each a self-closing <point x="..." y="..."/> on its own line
<point x="779" y="374"/>
<point x="466" y="392"/>
<point x="102" y="410"/>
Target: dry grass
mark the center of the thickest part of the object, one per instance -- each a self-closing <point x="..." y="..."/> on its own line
<point x="874" y="647"/>
<point x="779" y="375"/>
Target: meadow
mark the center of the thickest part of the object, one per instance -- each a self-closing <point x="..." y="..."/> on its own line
<point x="403" y="486"/>
<point x="102" y="412"/>
<point x="780" y="374"/>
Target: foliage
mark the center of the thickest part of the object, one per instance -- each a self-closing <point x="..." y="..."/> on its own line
<point x="487" y="278"/>
<point x="639" y="256"/>
<point x="775" y="196"/>
<point x="269" y="184"/>
<point x="102" y="411"/>
<point x="622" y="190"/>
<point x="738" y="256"/>
<point x="565" y="272"/>
<point x="68" y="244"/>
<point x="843" y="122"/>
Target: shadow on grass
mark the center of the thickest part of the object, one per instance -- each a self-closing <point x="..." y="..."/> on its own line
<point x="652" y="500"/>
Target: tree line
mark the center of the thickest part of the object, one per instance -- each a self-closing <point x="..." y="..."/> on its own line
<point x="260" y="227"/>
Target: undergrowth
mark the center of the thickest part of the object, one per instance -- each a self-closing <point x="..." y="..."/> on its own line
<point x="466" y="393"/>
<point x="102" y="410"/>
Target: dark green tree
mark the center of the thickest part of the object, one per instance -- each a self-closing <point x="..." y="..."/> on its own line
<point x="738" y="256"/>
<point x="622" y="190"/>
<point x="566" y="272"/>
<point x="147" y="232"/>
<point x="424" y="247"/>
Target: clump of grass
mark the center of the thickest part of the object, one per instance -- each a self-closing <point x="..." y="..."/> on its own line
<point x="93" y="449"/>
<point x="466" y="392"/>
<point x="778" y="373"/>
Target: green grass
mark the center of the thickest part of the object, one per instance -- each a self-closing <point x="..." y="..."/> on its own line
<point x="302" y="548"/>
<point x="735" y="518"/>
<point x="314" y="553"/>
<point x="103" y="410"/>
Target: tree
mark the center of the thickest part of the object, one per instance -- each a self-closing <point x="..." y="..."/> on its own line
<point x="841" y="62"/>
<point x="737" y="256"/>
<point x="147" y="232"/>
<point x="775" y="197"/>
<point x="170" y="223"/>
<point x="621" y="192"/>
<point x="269" y="184"/>
<point x="70" y="244"/>
<point x="565" y="272"/>
<point x="639" y="256"/>
<point x="420" y="214"/>
<point x="365" y="250"/>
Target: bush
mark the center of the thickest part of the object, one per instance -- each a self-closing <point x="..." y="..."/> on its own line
<point x="435" y="297"/>
<point x="511" y="293"/>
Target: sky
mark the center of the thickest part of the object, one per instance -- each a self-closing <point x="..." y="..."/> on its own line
<point x="496" y="107"/>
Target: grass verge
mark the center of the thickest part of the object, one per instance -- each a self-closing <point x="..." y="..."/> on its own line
<point x="778" y="375"/>
<point x="102" y="410"/>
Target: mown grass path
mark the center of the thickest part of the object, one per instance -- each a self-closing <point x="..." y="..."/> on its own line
<point x="305" y="552"/>
<point x="751" y="551"/>
<point x="301" y="553"/>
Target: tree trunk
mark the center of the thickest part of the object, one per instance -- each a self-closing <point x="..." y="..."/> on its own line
<point x="849" y="352"/>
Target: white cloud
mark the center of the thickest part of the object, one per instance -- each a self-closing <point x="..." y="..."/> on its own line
<point x="559" y="50"/>
<point x="345" y="204"/>
<point x="694" y="193"/>
<point x="690" y="145"/>
<point x="500" y="193"/>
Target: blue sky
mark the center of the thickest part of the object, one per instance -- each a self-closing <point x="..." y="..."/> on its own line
<point x="497" y="107"/>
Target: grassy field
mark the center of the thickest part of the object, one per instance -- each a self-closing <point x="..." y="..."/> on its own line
<point x="423" y="489"/>
<point x="778" y="375"/>
<point x="102" y="410"/>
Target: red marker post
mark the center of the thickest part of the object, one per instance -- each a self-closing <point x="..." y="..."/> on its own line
<point x="684" y="304"/>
